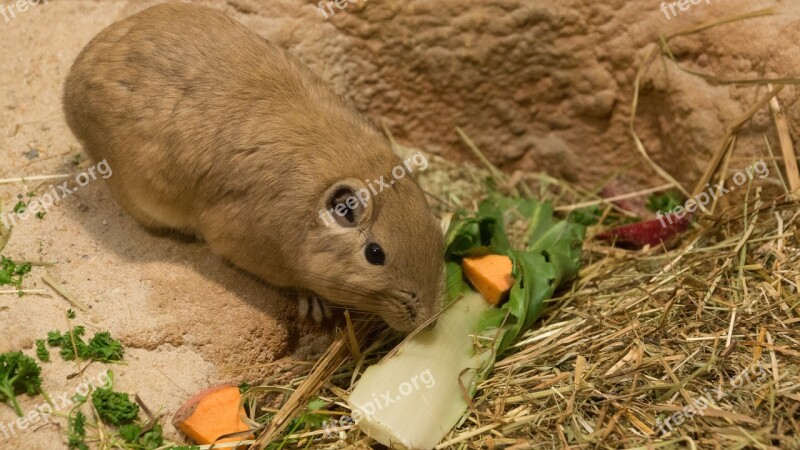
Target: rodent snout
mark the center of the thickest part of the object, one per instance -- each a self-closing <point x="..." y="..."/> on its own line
<point x="418" y="314"/>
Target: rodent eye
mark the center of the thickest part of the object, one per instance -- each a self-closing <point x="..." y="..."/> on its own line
<point x="374" y="254"/>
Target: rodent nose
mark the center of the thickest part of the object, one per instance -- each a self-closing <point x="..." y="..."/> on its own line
<point x="412" y="313"/>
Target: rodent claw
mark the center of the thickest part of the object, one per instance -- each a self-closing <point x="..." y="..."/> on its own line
<point x="318" y="309"/>
<point x="302" y="305"/>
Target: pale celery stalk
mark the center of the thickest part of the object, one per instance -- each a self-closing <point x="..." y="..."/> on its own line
<point x="413" y="399"/>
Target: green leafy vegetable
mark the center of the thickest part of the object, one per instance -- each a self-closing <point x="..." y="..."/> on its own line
<point x="115" y="408"/>
<point x="54" y="338"/>
<point x="314" y="420"/>
<point x="68" y="351"/>
<point x="549" y="254"/>
<point x="664" y="202"/>
<point x="11" y="273"/>
<point x="152" y="439"/>
<point x="20" y="207"/>
<point x="149" y="440"/>
<point x="70" y="314"/>
<point x="77" y="432"/>
<point x="41" y="351"/>
<point x="102" y="347"/>
<point x="586" y="216"/>
<point x="130" y="432"/>
<point x="19" y="374"/>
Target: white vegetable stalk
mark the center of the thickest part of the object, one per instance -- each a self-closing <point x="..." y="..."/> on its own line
<point x="413" y="399"/>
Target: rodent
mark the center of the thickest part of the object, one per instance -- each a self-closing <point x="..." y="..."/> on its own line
<point x="213" y="131"/>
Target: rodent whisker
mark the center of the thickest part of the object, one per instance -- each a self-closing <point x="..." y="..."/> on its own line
<point x="345" y="287"/>
<point x="355" y="287"/>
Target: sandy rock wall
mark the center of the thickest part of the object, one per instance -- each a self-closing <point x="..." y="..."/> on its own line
<point x="543" y="85"/>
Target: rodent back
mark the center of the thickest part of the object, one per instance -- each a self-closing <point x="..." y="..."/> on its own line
<point x="177" y="88"/>
<point x="198" y="113"/>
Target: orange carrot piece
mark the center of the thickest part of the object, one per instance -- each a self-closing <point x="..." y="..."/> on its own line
<point x="490" y="275"/>
<point x="210" y="414"/>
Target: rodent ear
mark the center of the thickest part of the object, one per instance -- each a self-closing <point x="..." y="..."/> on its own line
<point x="347" y="203"/>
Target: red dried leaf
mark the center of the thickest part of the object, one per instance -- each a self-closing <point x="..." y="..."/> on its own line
<point x="652" y="232"/>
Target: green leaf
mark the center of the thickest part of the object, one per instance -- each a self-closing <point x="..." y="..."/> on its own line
<point x="469" y="238"/>
<point x="77" y="432"/>
<point x="549" y="256"/>
<point x="12" y="273"/>
<point x="102" y="347"/>
<point x="586" y="216"/>
<point x="130" y="433"/>
<point x="316" y="403"/>
<point x="41" y="351"/>
<point x="454" y="279"/>
<point x="68" y="350"/>
<point x="20" y="207"/>
<point x="115" y="408"/>
<point x="664" y="202"/>
<point x="54" y="338"/>
<point x="152" y="439"/>
<point x="19" y="374"/>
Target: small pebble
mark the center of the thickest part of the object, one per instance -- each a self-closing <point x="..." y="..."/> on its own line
<point x="32" y="154"/>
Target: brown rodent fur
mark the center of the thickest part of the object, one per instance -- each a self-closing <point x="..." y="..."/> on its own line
<point x="213" y="131"/>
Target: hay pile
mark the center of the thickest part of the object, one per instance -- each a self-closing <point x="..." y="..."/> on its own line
<point x="711" y="324"/>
